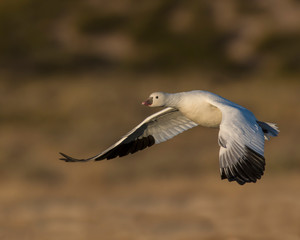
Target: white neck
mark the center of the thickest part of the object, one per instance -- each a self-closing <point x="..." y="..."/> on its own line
<point x="173" y="99"/>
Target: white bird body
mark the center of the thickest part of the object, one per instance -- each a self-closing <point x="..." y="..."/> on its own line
<point x="196" y="108"/>
<point x="241" y="135"/>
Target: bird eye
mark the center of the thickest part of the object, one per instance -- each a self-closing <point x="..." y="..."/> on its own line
<point x="156" y="97"/>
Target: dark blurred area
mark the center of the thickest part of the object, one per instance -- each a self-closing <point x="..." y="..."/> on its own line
<point x="73" y="75"/>
<point x="141" y="36"/>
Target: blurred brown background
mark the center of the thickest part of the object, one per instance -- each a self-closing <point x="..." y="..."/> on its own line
<point x="72" y="77"/>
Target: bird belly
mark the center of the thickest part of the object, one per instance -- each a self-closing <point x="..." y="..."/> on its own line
<point x="205" y="115"/>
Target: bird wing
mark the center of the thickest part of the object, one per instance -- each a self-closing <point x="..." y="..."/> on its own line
<point x="156" y="128"/>
<point x="241" y="141"/>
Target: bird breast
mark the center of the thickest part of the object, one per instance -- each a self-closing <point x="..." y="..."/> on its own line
<point x="202" y="113"/>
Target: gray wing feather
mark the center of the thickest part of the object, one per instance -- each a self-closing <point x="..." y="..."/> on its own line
<point x="168" y="125"/>
<point x="155" y="129"/>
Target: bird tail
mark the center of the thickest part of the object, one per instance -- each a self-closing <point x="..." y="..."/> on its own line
<point x="269" y="129"/>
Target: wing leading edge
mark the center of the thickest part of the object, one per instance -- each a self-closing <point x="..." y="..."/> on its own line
<point x="155" y="129"/>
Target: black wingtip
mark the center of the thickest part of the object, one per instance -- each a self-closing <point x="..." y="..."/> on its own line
<point x="249" y="168"/>
<point x="67" y="158"/>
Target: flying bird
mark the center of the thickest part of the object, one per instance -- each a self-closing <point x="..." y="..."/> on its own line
<point x="241" y="136"/>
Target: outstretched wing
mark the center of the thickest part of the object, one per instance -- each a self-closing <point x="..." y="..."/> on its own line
<point x="241" y="141"/>
<point x="156" y="128"/>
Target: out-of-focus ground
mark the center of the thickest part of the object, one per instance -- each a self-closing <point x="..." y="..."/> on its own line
<point x="73" y="75"/>
<point x="174" y="208"/>
<point x="169" y="191"/>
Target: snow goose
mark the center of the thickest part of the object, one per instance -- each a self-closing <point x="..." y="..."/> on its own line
<point x="241" y="136"/>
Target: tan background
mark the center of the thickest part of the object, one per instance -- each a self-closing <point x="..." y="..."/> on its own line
<point x="72" y="79"/>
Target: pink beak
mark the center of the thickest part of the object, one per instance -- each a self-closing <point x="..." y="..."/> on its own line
<point x="148" y="102"/>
